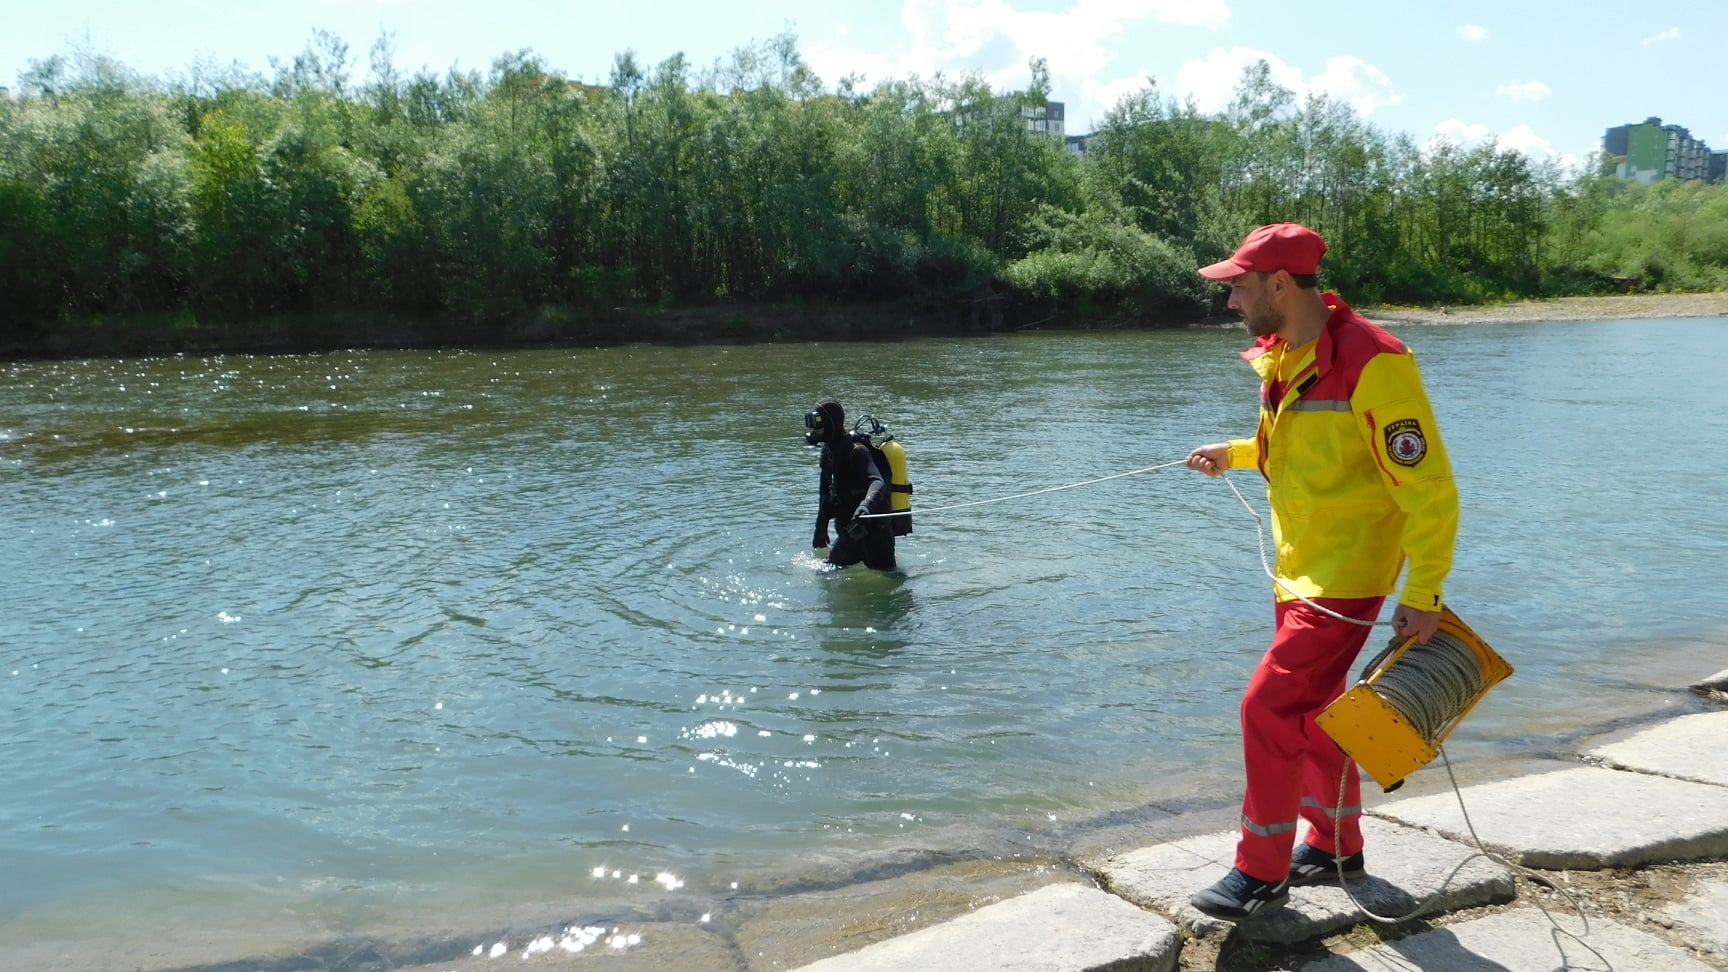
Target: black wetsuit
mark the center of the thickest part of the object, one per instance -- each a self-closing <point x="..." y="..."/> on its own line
<point x="851" y="478"/>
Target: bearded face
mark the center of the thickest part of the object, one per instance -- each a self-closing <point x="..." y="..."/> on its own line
<point x="1251" y="296"/>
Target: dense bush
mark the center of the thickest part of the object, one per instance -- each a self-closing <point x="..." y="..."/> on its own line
<point x="478" y="198"/>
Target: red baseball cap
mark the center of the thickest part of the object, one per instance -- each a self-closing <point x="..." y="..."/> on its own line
<point x="1280" y="246"/>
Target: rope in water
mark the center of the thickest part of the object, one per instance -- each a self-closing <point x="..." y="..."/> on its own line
<point x="1016" y="496"/>
<point x="1259" y="524"/>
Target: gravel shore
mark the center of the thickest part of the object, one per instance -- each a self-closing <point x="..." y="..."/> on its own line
<point x="1618" y="308"/>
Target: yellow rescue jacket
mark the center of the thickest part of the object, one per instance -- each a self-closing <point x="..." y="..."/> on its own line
<point x="1356" y="474"/>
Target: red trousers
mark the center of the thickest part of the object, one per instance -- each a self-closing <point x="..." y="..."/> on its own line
<point x="1293" y="767"/>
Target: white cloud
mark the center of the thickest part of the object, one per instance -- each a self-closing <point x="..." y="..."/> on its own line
<point x="988" y="35"/>
<point x="1672" y="33"/>
<point x="1347" y="78"/>
<point x="1350" y="79"/>
<point x="1461" y="134"/>
<point x="1523" y="138"/>
<point x="1524" y="90"/>
<point x="1519" y="138"/>
<point x="997" y="40"/>
<point x="833" y="63"/>
<point x="1209" y="82"/>
<point x="1473" y="33"/>
<point x="1108" y="93"/>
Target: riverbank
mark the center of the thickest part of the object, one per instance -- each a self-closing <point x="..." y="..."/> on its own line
<point x="1616" y="308"/>
<point x="186" y="333"/>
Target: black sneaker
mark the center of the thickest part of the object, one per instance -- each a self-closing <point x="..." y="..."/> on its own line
<point x="1239" y="896"/>
<point x="1310" y="865"/>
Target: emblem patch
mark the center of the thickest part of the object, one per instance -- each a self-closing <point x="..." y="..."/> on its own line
<point x="1405" y="444"/>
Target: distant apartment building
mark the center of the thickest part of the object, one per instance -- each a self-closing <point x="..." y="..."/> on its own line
<point x="1046" y="119"/>
<point x="1650" y="150"/>
<point x="1051" y="119"/>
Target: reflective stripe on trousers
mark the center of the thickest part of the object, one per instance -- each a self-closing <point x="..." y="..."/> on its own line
<point x="1292" y="767"/>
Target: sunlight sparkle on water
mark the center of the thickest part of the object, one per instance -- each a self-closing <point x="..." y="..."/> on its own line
<point x="718" y="760"/>
<point x="712" y="730"/>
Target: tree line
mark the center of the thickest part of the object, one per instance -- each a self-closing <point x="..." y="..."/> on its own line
<point x="473" y="199"/>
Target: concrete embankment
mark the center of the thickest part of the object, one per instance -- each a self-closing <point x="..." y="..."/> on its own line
<point x="1659" y="794"/>
<point x="1496" y="872"/>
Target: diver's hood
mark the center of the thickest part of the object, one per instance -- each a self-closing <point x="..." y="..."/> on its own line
<point x="826" y="422"/>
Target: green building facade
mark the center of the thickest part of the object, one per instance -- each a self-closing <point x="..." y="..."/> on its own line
<point x="1650" y="150"/>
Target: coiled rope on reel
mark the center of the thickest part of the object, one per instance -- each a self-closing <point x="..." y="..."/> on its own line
<point x="1433" y="686"/>
<point x="1410" y="698"/>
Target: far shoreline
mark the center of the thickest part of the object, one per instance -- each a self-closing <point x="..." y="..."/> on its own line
<point x="1619" y="307"/>
<point x="187" y="334"/>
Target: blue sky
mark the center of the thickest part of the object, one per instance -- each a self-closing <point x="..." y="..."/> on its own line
<point x="1542" y="76"/>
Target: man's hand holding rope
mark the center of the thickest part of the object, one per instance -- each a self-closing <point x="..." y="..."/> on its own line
<point x="1213" y="460"/>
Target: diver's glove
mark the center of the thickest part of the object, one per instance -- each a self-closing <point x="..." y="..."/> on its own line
<point x="859" y="528"/>
<point x="819" y="539"/>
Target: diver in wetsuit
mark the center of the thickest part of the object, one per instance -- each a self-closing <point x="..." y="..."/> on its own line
<point x="853" y="485"/>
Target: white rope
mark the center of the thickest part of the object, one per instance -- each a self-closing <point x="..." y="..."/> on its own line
<point x="1259" y="525"/>
<point x="1517" y="870"/>
<point x="1036" y="492"/>
<point x="1266" y="565"/>
<point x="1433" y="685"/>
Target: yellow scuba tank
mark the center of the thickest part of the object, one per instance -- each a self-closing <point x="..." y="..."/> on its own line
<point x="900" y="497"/>
<point x="900" y="483"/>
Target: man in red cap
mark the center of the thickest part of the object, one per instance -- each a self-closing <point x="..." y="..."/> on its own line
<point x="1359" y="485"/>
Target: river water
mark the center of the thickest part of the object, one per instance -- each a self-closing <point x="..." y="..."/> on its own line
<point x="414" y="643"/>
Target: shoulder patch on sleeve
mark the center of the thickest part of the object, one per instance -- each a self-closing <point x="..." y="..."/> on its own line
<point x="1405" y="443"/>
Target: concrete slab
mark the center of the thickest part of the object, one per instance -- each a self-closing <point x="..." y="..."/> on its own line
<point x="1520" y="940"/>
<point x="1587" y="818"/>
<point x="788" y="929"/>
<point x="1406" y="868"/>
<point x="1059" y="928"/>
<point x="1687" y="748"/>
<point x="1716" y="686"/>
<point x="1704" y="911"/>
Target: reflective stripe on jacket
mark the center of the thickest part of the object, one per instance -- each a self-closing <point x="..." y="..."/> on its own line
<point x="1356" y="474"/>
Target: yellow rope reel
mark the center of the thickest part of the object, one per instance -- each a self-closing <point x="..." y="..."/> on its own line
<point x="1410" y="698"/>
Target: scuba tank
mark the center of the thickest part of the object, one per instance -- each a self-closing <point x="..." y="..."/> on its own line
<point x="900" y="497"/>
<point x="889" y="452"/>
